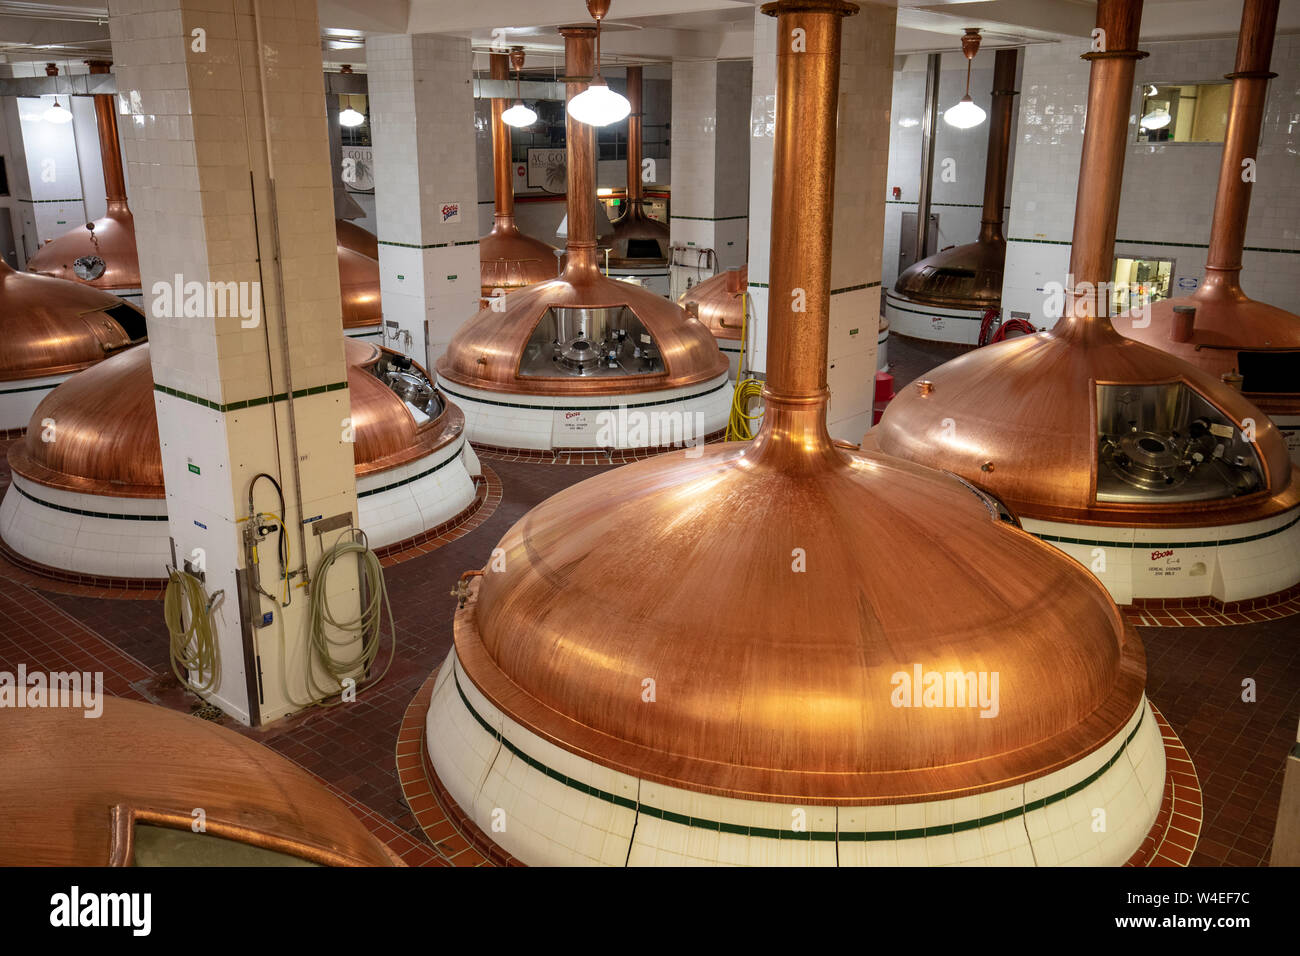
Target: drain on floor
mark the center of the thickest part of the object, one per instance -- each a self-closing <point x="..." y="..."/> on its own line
<point x="207" y="711"/>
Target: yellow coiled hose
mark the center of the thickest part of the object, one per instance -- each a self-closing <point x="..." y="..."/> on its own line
<point x="193" y="645"/>
<point x="740" y="421"/>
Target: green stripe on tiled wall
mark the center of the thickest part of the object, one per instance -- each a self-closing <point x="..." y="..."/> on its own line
<point x="432" y="245"/>
<point x="252" y="402"/>
<point x="847" y="288"/>
<point x="1157" y="242"/>
<point x="406" y="481"/>
<point x="855" y="836"/>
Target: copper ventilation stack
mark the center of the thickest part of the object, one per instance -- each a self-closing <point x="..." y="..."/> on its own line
<point x="508" y="259"/>
<point x="107" y="447"/>
<point x="640" y="243"/>
<point x="103" y="253"/>
<point x="50" y="329"/>
<point x="559" y="364"/>
<point x="944" y="296"/>
<point x="1230" y="332"/>
<point x="1104" y="445"/>
<point x="750" y="712"/>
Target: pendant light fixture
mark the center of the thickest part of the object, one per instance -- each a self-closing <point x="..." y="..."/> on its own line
<point x="966" y="114"/>
<point x="598" y="105"/>
<point x="57" y="114"/>
<point x="349" y="117"/>
<point x="518" y="115"/>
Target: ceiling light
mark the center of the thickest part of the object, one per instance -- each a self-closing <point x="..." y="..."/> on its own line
<point x="350" y="117"/>
<point x="598" y="105"/>
<point x="966" y="114"/>
<point x="1156" y="119"/>
<point x="518" y="115"/>
<point x="57" y="114"/>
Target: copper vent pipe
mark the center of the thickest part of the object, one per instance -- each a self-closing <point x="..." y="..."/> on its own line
<point x="635" y="189"/>
<point x="1249" y="78"/>
<point x="110" y="147"/>
<point x="803" y="175"/>
<point x="580" y="244"/>
<point x="503" y="194"/>
<point x="999" y="149"/>
<point x="1101" y="172"/>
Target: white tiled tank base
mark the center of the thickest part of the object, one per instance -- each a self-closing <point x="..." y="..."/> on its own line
<point x="45" y="525"/>
<point x="414" y="506"/>
<point x="1231" y="563"/>
<point x="499" y="779"/>
<point x="1289" y="426"/>
<point x="959" y="326"/>
<point x="501" y="419"/>
<point x="19" y="398"/>
<point x="882" y="351"/>
<point x="367" y="333"/>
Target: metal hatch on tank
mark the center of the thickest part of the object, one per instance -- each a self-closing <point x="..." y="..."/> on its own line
<point x="752" y="712"/>
<point x="1163" y="480"/>
<point x="583" y="360"/>
<point x="413" y="465"/>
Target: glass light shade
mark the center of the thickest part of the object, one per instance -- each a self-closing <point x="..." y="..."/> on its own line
<point x="598" y="105"/>
<point x="965" y="114"/>
<point x="57" y="114"/>
<point x="350" y="117"/>
<point x="519" y="115"/>
<point x="1156" y="119"/>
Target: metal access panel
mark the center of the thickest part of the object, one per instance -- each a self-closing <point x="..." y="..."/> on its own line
<point x="907" y="240"/>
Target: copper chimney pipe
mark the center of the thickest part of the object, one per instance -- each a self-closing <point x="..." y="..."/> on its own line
<point x="1249" y="78"/>
<point x="999" y="149"/>
<point x="110" y="147"/>
<point x="1101" y="172"/>
<point x="635" y="189"/>
<point x="1184" y="323"/>
<point x="503" y="194"/>
<point x="803" y="175"/>
<point x="580" y="244"/>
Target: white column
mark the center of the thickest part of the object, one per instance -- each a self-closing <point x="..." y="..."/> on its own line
<point x="426" y="189"/>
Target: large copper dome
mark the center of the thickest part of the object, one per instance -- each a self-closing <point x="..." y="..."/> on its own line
<point x="359" y="289"/>
<point x="351" y="236"/>
<point x="720" y="302"/>
<point x="104" y="248"/>
<point x="50" y="327"/>
<point x="77" y="791"/>
<point x="108" y="430"/>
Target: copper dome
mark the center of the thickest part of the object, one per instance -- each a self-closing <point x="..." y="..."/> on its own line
<point x="351" y="236"/>
<point x="772" y="684"/>
<point x="639" y="241"/>
<point x="76" y="789"/>
<point x="508" y="259"/>
<point x="108" y="429"/>
<point x="49" y="326"/>
<point x="720" y="301"/>
<point x="359" y="289"/>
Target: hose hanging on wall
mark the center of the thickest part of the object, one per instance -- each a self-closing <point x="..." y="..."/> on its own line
<point x="740" y="422"/>
<point x="193" y="645"/>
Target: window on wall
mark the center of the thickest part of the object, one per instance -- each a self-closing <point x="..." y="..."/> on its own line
<point x="1184" y="113"/>
<point x="1139" y="282"/>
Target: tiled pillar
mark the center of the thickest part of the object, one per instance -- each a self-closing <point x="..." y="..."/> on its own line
<point x="209" y="194"/>
<point x="710" y="160"/>
<point x="426" y="187"/>
<point x="862" y="163"/>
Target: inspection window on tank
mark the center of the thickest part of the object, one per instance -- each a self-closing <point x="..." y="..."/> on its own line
<point x="587" y="343"/>
<point x="1184" y="113"/>
<point x="1139" y="282"/>
<point x="1166" y="444"/>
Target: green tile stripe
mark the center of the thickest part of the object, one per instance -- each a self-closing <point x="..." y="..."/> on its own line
<point x="252" y="402"/>
<point x="852" y="836"/>
<point x="424" y="474"/>
<point x="709" y="218"/>
<point x="958" y="205"/>
<point x="31" y="388"/>
<point x="442" y="387"/>
<point x="847" y="288"/>
<point x="1143" y="545"/>
<point x="1157" y="242"/>
<point x="432" y="245"/>
<point x="38" y="201"/>
<point x="89" y="514"/>
<point x="891" y="300"/>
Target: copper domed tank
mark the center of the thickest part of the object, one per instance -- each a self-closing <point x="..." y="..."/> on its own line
<point x="680" y="705"/>
<point x="1219" y="328"/>
<point x="363" y="312"/>
<point x="508" y="259"/>
<point x="120" y="790"/>
<point x="641" y="246"/>
<point x="107" y="447"/>
<point x="952" y="288"/>
<point x="1167" y="483"/>
<point x="101" y="253"/>
<point x="559" y="364"/>
<point x="353" y="237"/>
<point x="49" y="329"/>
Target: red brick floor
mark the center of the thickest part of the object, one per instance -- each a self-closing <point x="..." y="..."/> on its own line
<point x="1195" y="678"/>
